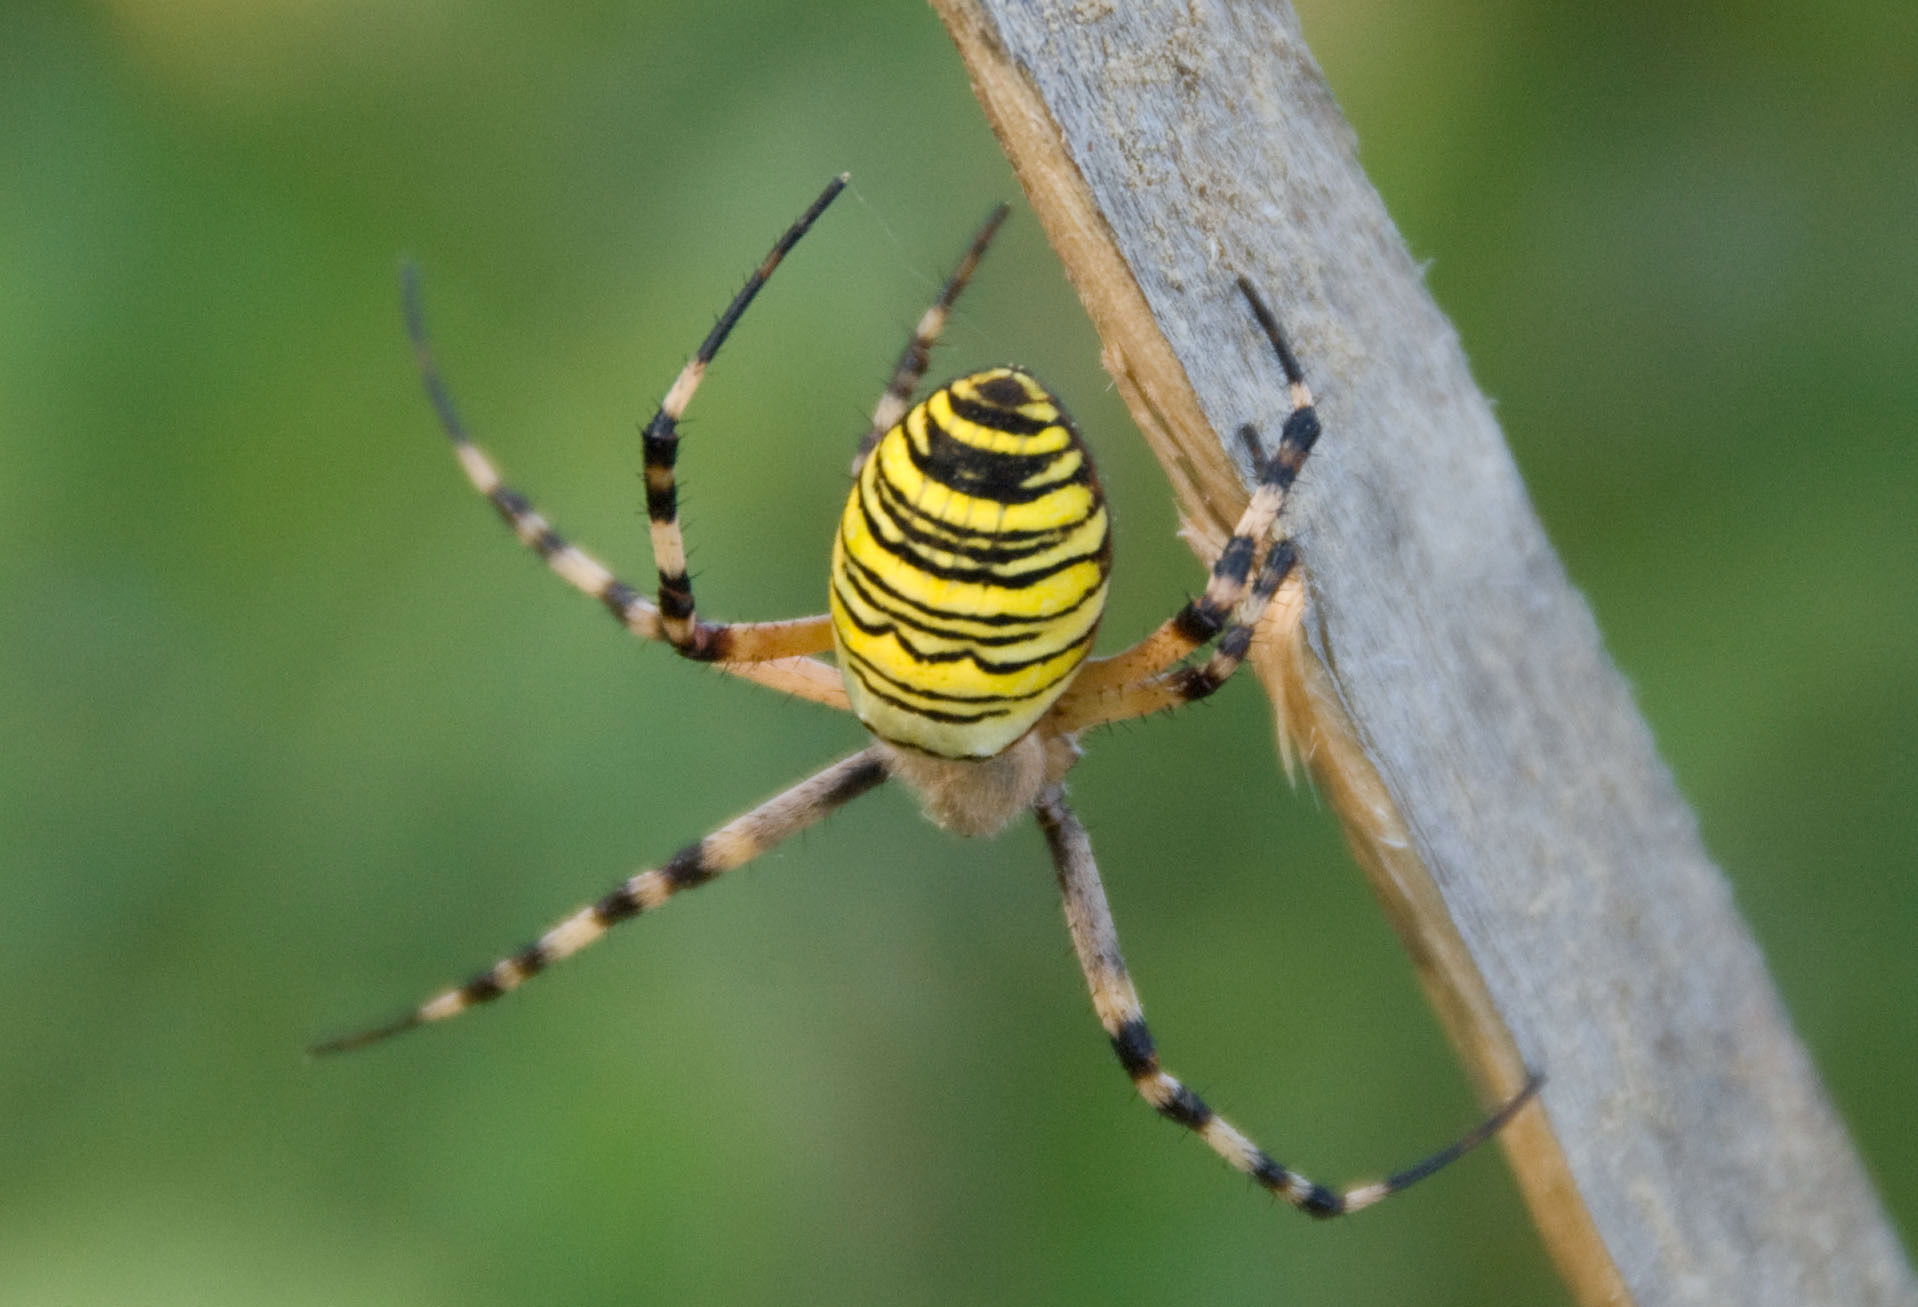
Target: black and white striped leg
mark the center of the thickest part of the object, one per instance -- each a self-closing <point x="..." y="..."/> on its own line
<point x="1096" y="941"/>
<point x="1204" y="617"/>
<point x="660" y="441"/>
<point x="745" y="642"/>
<point x="1106" y="689"/>
<point x="917" y="355"/>
<point x="737" y="842"/>
<point x="1190" y="684"/>
<point x="573" y="565"/>
<point x="1186" y="683"/>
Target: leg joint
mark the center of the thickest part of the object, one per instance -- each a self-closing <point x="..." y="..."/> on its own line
<point x="1133" y="1044"/>
<point x="1182" y="1105"/>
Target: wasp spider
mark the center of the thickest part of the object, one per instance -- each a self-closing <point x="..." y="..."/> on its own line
<point x="968" y="576"/>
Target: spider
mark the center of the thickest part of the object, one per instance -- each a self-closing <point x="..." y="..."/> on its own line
<point x="968" y="576"/>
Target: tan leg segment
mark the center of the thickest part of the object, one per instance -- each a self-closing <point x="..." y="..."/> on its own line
<point x="737" y="842"/>
<point x="800" y="677"/>
<point x="1096" y="941"/>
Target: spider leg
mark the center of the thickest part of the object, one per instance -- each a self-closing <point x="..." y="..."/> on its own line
<point x="775" y="654"/>
<point x="1186" y="684"/>
<point x="917" y="355"/>
<point x="660" y="439"/>
<point x="1096" y="941"/>
<point x="737" y="842"/>
<point x="1235" y="577"/>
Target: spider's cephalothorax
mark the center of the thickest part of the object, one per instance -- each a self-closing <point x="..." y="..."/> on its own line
<point x="968" y="576"/>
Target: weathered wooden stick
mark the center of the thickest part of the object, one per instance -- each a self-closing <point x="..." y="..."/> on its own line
<point x="1455" y="703"/>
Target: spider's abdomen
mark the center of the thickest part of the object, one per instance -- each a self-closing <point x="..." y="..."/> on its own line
<point x="969" y="571"/>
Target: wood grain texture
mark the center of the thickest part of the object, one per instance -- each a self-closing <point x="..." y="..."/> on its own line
<point x="1455" y="702"/>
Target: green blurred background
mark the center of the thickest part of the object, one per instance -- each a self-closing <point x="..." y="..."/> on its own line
<point x="295" y="734"/>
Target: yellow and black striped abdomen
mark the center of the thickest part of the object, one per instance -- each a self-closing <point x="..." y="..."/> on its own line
<point x="969" y="571"/>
